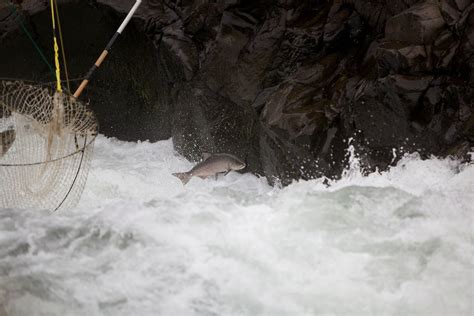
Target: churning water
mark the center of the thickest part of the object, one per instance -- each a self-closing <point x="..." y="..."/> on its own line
<point x="395" y="243"/>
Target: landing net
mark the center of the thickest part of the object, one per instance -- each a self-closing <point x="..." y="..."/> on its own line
<point x="46" y="143"/>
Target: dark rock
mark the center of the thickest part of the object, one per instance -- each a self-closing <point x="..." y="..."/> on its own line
<point x="376" y="12"/>
<point x="294" y="45"/>
<point x="284" y="162"/>
<point x="461" y="5"/>
<point x="420" y="24"/>
<point x="460" y="151"/>
<point x="282" y="84"/>
<point x="450" y="12"/>
<point x="379" y="105"/>
<point x="400" y="57"/>
<point x="296" y="110"/>
<point x="444" y="50"/>
<point x="182" y="47"/>
<point x="233" y="35"/>
<point x="336" y="23"/>
<point x="256" y="57"/>
<point x="468" y="129"/>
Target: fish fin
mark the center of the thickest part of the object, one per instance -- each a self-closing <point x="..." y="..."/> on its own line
<point x="205" y="156"/>
<point x="183" y="176"/>
<point x="227" y="172"/>
<point x="202" y="177"/>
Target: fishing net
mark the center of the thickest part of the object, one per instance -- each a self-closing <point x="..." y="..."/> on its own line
<point x="46" y="143"/>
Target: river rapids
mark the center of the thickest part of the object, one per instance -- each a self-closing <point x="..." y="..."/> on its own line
<point x="140" y="243"/>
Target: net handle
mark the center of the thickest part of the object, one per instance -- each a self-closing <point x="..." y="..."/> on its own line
<point x="105" y="52"/>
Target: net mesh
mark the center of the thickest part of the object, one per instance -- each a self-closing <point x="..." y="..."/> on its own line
<point x="46" y="143"/>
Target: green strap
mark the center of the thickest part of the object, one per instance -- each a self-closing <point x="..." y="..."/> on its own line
<point x="38" y="49"/>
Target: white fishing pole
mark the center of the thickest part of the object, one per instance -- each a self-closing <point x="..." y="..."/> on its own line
<point x="105" y="52"/>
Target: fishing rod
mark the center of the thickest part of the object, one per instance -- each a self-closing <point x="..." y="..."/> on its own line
<point x="105" y="52"/>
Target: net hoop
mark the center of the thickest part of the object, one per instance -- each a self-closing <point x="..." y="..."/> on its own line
<point x="46" y="143"/>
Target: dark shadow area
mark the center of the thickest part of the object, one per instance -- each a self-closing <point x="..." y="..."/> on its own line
<point x="124" y="91"/>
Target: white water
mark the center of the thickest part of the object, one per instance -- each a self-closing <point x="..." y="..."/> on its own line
<point x="396" y="243"/>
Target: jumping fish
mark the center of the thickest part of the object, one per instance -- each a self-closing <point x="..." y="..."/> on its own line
<point x="212" y="165"/>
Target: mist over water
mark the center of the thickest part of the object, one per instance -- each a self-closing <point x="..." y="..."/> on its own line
<point x="139" y="243"/>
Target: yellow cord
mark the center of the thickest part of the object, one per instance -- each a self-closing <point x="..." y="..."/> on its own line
<point x="66" y="74"/>
<point x="56" y="52"/>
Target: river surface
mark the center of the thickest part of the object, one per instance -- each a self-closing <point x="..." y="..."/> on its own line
<point x="139" y="243"/>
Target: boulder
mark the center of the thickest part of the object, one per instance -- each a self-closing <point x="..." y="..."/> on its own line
<point x="450" y="12"/>
<point x="402" y="57"/>
<point x="420" y="24"/>
<point x="182" y="47"/>
<point x="296" y="110"/>
<point x="444" y="49"/>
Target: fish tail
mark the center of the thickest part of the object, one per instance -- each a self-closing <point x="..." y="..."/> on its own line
<point x="183" y="176"/>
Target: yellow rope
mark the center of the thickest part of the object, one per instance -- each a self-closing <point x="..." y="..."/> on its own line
<point x="56" y="52"/>
<point x="62" y="46"/>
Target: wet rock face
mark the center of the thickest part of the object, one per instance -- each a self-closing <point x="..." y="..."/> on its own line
<point x="286" y="84"/>
<point x="420" y="24"/>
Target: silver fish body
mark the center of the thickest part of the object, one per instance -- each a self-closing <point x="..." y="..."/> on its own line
<point x="212" y="165"/>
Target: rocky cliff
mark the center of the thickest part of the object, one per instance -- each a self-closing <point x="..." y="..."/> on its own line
<point x="286" y="84"/>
